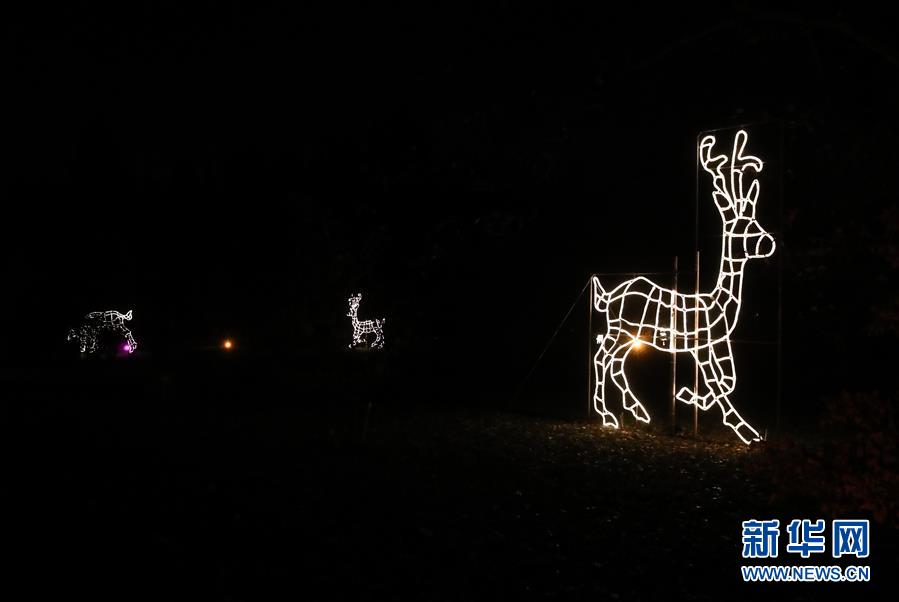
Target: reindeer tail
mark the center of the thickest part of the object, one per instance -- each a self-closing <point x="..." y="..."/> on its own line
<point x="600" y="296"/>
<point x="127" y="316"/>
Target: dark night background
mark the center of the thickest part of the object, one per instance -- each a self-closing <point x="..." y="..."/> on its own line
<point x="238" y="169"/>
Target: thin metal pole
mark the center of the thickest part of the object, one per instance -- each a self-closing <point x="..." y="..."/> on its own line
<point x="780" y="286"/>
<point x="696" y="355"/>
<point x="696" y="320"/>
<point x="590" y="344"/>
<point x="671" y="344"/>
<point x="549" y="342"/>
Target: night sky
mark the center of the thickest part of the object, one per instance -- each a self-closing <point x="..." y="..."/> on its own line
<point x="236" y="170"/>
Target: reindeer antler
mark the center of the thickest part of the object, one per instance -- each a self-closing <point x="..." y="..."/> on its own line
<point x="729" y="192"/>
<point x="714" y="165"/>
<point x="738" y="165"/>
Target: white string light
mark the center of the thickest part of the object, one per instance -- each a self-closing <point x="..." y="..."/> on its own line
<point x="362" y="328"/>
<point x="88" y="332"/>
<point x="641" y="312"/>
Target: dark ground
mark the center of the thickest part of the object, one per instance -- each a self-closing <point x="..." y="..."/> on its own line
<point x="225" y="480"/>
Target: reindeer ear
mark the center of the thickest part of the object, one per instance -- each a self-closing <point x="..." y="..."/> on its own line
<point x="748" y="199"/>
<point x="747" y="207"/>
<point x="752" y="195"/>
<point x="128" y="315"/>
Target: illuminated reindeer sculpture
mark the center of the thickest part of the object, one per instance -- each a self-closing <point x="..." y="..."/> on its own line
<point x="361" y="328"/>
<point x="640" y="311"/>
<point x="87" y="334"/>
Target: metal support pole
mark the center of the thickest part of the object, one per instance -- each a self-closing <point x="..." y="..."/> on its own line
<point x="696" y="321"/>
<point x="590" y="346"/>
<point x="780" y="288"/>
<point x="696" y="355"/>
<point x="671" y="343"/>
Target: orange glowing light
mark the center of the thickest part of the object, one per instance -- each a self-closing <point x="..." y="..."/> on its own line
<point x="638" y="344"/>
<point x="228" y="344"/>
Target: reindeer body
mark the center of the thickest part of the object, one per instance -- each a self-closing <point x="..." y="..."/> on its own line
<point x="364" y="327"/>
<point x="96" y="322"/>
<point x="640" y="311"/>
<point x="665" y="319"/>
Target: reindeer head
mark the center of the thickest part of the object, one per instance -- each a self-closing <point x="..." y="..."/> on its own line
<point x="736" y="203"/>
<point x="354" y="304"/>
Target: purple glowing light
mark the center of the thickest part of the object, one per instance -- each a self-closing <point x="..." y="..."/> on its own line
<point x="126" y="347"/>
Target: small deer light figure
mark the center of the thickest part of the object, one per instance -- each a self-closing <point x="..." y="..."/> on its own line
<point x="364" y="327"/>
<point x="88" y="332"/>
<point x="640" y="311"/>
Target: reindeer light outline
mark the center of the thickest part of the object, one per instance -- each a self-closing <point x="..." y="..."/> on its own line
<point x="95" y="322"/>
<point x="640" y="311"/>
<point x="364" y="327"/>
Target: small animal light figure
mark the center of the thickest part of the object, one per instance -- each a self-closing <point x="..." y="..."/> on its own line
<point x="88" y="332"/>
<point x="364" y="327"/>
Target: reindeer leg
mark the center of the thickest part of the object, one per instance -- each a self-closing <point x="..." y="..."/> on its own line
<point x="91" y="343"/>
<point x="726" y="379"/>
<point x="630" y="401"/>
<point x="601" y="366"/>
<point x="705" y="397"/>
<point x="718" y="385"/>
<point x="126" y="334"/>
<point x="82" y="341"/>
<point x="132" y="344"/>
<point x="732" y="418"/>
<point x="724" y="366"/>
